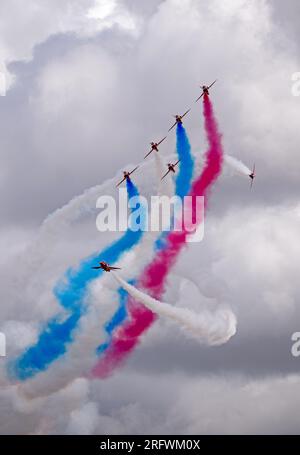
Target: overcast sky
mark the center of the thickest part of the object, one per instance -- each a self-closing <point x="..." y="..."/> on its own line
<point x="90" y="84"/>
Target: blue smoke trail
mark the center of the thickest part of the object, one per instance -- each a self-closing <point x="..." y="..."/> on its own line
<point x="183" y="184"/>
<point x="186" y="166"/>
<point x="184" y="177"/>
<point x="58" y="332"/>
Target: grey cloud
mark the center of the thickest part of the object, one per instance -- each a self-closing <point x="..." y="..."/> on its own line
<point x="87" y="104"/>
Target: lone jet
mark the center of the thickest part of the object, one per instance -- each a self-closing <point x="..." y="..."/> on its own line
<point x="106" y="267"/>
<point x="178" y="119"/>
<point x="171" y="168"/>
<point x="252" y="175"/>
<point x="205" y="90"/>
<point x="154" y="146"/>
<point x="126" y="176"/>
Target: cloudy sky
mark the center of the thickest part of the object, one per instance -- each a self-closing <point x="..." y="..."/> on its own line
<point x="89" y="84"/>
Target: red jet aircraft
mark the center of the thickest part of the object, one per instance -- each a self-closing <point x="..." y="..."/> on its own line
<point x="154" y="146"/>
<point x="126" y="176"/>
<point x="106" y="267"/>
<point x="171" y="168"/>
<point x="205" y="90"/>
<point x="178" y="119"/>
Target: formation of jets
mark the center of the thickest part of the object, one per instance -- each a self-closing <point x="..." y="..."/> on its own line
<point x="171" y="167"/>
<point x="155" y="145"/>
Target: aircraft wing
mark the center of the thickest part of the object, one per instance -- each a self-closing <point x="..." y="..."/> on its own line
<point x="165" y="175"/>
<point x="176" y="163"/>
<point x="162" y="140"/>
<point x="172" y="126"/>
<point x="133" y="170"/>
<point x="148" y="153"/>
<point x="185" y="113"/>
<point x="199" y="97"/>
<point x="96" y="268"/>
<point x="115" y="268"/>
<point x="121" y="182"/>
<point x="212" y="83"/>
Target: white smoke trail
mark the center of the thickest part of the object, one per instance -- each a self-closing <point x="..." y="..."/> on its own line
<point x="237" y="165"/>
<point x="212" y="328"/>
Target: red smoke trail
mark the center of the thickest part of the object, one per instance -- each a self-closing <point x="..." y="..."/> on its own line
<point x="153" y="278"/>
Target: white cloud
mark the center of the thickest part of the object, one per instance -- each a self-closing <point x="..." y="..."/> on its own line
<point x="23" y="28"/>
<point x="108" y="13"/>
